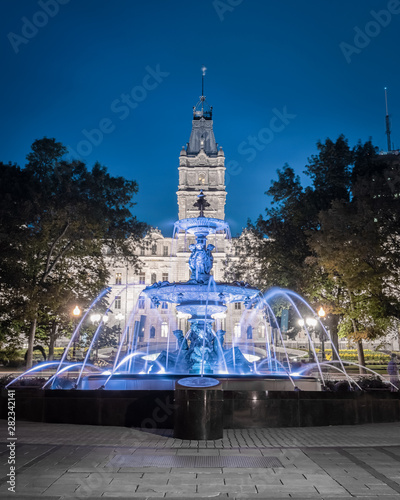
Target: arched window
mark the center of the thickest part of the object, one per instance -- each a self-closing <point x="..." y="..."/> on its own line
<point x="153" y="278"/>
<point x="152" y="332"/>
<point x="154" y="250"/>
<point x="164" y="329"/>
<point x="261" y="331"/>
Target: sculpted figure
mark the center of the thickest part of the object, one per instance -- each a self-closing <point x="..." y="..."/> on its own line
<point x="200" y="260"/>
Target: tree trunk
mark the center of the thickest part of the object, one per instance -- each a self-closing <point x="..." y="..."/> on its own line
<point x="31" y="341"/>
<point x="333" y="321"/>
<point x="360" y="350"/>
<point x="53" y="336"/>
<point x="361" y="358"/>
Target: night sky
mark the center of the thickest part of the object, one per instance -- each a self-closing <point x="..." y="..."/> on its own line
<point x="320" y="65"/>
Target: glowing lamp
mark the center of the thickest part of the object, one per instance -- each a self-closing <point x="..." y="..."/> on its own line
<point x="94" y="318"/>
<point x="76" y="311"/>
<point x="311" y="321"/>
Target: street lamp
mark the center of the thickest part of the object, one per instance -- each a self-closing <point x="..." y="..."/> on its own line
<point x="96" y="318"/>
<point x="76" y="313"/>
<point x="119" y="317"/>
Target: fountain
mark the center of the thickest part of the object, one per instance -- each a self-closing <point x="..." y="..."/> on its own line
<point x="212" y="384"/>
<point x="201" y="350"/>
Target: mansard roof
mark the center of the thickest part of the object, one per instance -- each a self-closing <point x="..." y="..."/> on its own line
<point x="202" y="138"/>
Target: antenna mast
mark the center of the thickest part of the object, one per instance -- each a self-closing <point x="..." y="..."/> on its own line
<point x="387" y="123"/>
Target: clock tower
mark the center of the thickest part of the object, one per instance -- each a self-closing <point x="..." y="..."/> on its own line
<point x="202" y="166"/>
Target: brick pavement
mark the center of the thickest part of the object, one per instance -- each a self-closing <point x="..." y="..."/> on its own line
<point x="58" y="461"/>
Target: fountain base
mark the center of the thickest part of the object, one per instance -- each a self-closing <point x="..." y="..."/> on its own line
<point x="246" y="404"/>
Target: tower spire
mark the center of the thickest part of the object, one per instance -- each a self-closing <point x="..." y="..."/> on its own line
<point x="387" y="123"/>
<point x="202" y="108"/>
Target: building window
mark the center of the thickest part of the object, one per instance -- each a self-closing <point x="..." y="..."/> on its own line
<point x="154" y="249"/>
<point x="165" y="251"/>
<point x="118" y="279"/>
<point x="164" y="305"/>
<point x="153" y="278"/>
<point x="152" y="305"/>
<point x="164" y="329"/>
<point x="261" y="331"/>
<point x="236" y="330"/>
<point x="164" y="276"/>
<point x="141" y="333"/>
<point x="238" y="305"/>
<point x="141" y="302"/>
<point x="117" y="302"/>
<point x="152" y="332"/>
<point x="142" y="251"/>
<point x="142" y="278"/>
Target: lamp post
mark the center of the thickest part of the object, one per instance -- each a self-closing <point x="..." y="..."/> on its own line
<point x="322" y="314"/>
<point x="96" y="318"/>
<point x="119" y="317"/>
<point x="76" y="313"/>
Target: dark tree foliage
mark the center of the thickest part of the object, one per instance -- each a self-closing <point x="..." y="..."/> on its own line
<point x="57" y="218"/>
<point x="336" y="242"/>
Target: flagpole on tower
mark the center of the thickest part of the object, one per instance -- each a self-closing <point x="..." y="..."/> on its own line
<point x="203" y="69"/>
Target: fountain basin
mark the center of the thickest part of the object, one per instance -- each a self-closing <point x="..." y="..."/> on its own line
<point x="151" y="409"/>
<point x="192" y="292"/>
<point x="227" y="382"/>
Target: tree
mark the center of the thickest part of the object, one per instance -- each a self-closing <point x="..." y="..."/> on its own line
<point x="56" y="219"/>
<point x="335" y="242"/>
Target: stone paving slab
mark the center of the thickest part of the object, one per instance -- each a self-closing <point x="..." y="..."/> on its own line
<point x="58" y="461"/>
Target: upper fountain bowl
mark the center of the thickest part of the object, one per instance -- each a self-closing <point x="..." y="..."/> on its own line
<point x="201" y="226"/>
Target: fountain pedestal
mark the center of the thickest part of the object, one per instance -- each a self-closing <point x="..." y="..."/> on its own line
<point x="198" y="412"/>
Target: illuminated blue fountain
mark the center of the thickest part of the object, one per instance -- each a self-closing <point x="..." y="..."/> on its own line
<point x="201" y="350"/>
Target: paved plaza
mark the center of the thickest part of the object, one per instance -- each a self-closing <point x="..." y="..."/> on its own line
<point x="58" y="461"/>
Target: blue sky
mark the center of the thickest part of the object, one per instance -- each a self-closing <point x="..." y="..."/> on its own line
<point x="66" y="72"/>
